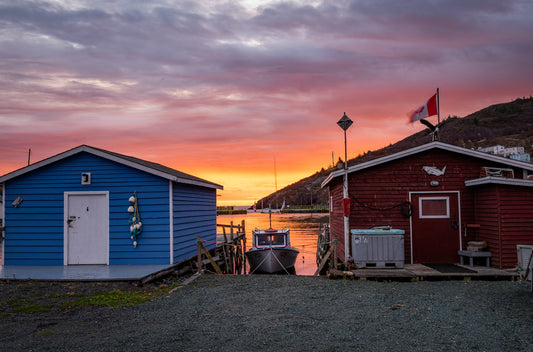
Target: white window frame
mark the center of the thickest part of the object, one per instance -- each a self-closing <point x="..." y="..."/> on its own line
<point x="421" y="199"/>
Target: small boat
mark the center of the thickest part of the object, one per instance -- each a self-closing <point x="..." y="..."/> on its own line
<point x="271" y="251"/>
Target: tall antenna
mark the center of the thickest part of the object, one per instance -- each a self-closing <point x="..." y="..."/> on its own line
<point x="29" y="156"/>
<point x="275" y="174"/>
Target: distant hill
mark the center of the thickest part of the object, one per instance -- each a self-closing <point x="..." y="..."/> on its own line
<point x="508" y="124"/>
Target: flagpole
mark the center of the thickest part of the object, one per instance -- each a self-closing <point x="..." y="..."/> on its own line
<point x="438" y="106"/>
<point x="438" y="113"/>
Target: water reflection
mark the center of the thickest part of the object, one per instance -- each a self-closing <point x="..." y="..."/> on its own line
<point x="304" y="233"/>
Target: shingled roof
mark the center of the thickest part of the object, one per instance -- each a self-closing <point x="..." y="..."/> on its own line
<point x="136" y="163"/>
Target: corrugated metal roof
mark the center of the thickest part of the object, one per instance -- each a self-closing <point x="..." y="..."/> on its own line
<point x="144" y="165"/>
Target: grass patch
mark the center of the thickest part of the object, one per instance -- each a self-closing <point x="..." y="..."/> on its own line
<point x="32" y="308"/>
<point x="68" y="294"/>
<point x="23" y="305"/>
<point x="112" y="299"/>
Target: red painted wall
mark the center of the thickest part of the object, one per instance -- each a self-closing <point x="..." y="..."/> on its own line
<point x="505" y="214"/>
<point x="377" y="192"/>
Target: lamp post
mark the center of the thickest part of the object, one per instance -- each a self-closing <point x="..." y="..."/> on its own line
<point x="345" y="123"/>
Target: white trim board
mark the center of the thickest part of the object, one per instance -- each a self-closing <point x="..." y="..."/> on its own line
<point x="411" y="217"/>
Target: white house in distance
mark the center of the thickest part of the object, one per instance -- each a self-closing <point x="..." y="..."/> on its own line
<point x="516" y="153"/>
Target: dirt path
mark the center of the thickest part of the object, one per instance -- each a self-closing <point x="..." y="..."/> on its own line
<point x="289" y="313"/>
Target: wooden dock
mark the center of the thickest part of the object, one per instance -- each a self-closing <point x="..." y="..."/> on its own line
<point x="228" y="255"/>
<point x="420" y="272"/>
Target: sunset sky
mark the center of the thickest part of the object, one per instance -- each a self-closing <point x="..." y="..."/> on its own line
<point x="225" y="90"/>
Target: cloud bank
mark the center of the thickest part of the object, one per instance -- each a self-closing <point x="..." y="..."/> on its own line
<point x="221" y="89"/>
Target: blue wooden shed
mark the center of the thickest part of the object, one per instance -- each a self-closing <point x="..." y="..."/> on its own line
<point x="78" y="207"/>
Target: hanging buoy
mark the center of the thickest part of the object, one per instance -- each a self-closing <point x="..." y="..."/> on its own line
<point x="135" y="219"/>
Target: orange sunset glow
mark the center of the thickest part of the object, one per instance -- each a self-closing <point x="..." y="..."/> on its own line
<point x="236" y="92"/>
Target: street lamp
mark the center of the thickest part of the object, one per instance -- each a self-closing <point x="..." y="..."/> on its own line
<point x="345" y="123"/>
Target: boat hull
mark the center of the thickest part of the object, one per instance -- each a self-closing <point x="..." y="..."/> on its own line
<point x="271" y="260"/>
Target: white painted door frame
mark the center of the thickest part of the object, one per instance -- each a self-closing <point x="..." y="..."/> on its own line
<point x="411" y="193"/>
<point x="103" y="220"/>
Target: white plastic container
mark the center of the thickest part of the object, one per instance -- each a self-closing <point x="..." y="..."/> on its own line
<point x="379" y="247"/>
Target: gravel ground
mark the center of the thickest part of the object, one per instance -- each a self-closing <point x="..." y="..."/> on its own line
<point x="277" y="313"/>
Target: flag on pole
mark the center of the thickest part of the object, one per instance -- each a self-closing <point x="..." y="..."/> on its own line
<point x="429" y="108"/>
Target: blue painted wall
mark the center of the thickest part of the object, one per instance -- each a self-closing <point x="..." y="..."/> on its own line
<point x="34" y="230"/>
<point x="195" y="214"/>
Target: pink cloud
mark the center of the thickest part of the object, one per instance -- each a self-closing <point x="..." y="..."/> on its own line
<point x="211" y="89"/>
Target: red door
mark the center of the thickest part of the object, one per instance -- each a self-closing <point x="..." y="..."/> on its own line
<point x="435" y="227"/>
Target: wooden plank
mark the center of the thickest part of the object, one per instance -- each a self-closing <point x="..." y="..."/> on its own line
<point x="324" y="260"/>
<point x="199" y="254"/>
<point x="206" y="252"/>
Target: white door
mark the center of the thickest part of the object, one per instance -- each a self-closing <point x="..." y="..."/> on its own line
<point x="86" y="228"/>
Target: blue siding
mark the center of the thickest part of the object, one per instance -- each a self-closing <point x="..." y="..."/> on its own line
<point x="195" y="212"/>
<point x="34" y="230"/>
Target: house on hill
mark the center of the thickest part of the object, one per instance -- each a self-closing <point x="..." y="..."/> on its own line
<point x="80" y="206"/>
<point x="442" y="196"/>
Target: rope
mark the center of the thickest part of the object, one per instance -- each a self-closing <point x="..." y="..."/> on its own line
<point x="375" y="208"/>
<point x="257" y="267"/>
<point x="265" y="258"/>
<point x="272" y="253"/>
<point x="407" y="208"/>
<point x="222" y="243"/>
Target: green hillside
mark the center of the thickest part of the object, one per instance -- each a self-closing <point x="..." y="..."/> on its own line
<point x="508" y="124"/>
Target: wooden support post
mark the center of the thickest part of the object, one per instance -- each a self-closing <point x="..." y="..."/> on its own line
<point x="199" y="254"/>
<point x="242" y="242"/>
<point x="324" y="260"/>
<point x="334" y="244"/>
<point x="213" y="263"/>
<point x="243" y="247"/>
<point x="226" y="260"/>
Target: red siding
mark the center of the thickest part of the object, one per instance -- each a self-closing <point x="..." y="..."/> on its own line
<point x="336" y="221"/>
<point x="506" y="215"/>
<point x="377" y="192"/>
<point x="487" y="212"/>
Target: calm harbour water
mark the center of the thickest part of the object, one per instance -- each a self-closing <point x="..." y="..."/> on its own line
<point x="304" y="233"/>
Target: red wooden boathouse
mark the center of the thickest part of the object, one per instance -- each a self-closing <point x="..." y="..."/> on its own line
<point x="442" y="196"/>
